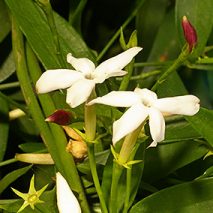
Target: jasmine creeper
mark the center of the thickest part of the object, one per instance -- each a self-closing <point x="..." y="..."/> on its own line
<point x="144" y="104"/>
<point x="81" y="81"/>
<point x="66" y="200"/>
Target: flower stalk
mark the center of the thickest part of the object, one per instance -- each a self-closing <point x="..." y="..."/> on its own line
<point x="116" y="174"/>
<point x="120" y="164"/>
<point x="90" y="130"/>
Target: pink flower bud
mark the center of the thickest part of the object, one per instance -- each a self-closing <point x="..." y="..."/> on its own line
<point x="60" y="117"/>
<point x="189" y="33"/>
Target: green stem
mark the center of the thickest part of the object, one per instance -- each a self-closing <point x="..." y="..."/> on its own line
<point x="125" y="81"/>
<point x="90" y="119"/>
<point x="9" y="85"/>
<point x="14" y="103"/>
<point x="146" y="75"/>
<point x="6" y="162"/>
<point x="126" y="151"/>
<point x="65" y="161"/>
<point x="177" y="63"/>
<point x="129" y="180"/>
<point x="90" y="130"/>
<point x="128" y="189"/>
<point x="143" y="75"/>
<point x="157" y="63"/>
<point x="116" y="174"/>
<point x="116" y="35"/>
<point x="92" y="162"/>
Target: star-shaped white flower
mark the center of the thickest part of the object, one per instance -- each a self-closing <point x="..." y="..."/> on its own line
<point x="144" y="104"/>
<point x="66" y="200"/>
<point x="81" y="81"/>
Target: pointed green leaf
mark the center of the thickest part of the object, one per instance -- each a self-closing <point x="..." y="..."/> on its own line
<point x="4" y="21"/>
<point x="192" y="197"/>
<point x="39" y="35"/>
<point x="7" y="68"/>
<point x="167" y="158"/>
<point x="4" y="127"/>
<point x="12" y="176"/>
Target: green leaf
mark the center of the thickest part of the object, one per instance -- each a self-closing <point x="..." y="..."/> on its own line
<point x="70" y="40"/>
<point x="203" y="123"/>
<point x="40" y="37"/>
<point x="199" y="13"/>
<point x="148" y="24"/>
<point x="32" y="147"/>
<point x="36" y="30"/>
<point x="167" y="158"/>
<point x="7" y="68"/>
<point x="192" y="197"/>
<point x="4" y="21"/>
<point x="12" y="176"/>
<point x="179" y="131"/>
<point x="165" y="46"/>
<point x="4" y="127"/>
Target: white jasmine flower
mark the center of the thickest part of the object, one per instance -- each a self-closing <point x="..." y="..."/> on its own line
<point x="144" y="104"/>
<point x="81" y="81"/>
<point x="66" y="200"/>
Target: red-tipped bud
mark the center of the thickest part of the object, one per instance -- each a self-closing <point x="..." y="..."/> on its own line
<point x="189" y="33"/>
<point x="60" y="117"/>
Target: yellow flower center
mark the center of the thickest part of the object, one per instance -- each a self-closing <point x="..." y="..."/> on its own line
<point x="32" y="198"/>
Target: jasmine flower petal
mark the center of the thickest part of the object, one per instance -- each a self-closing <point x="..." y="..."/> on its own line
<point x="183" y="105"/>
<point x="83" y="65"/>
<point x="66" y="200"/>
<point x="57" y="79"/>
<point x="157" y="125"/>
<point x="79" y="92"/>
<point x="116" y="63"/>
<point x="100" y="77"/>
<point x="117" y="99"/>
<point x="129" y="121"/>
<point x="146" y="95"/>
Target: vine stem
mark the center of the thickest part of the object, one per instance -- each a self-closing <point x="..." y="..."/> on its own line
<point x="116" y="174"/>
<point x="90" y="130"/>
<point x="92" y="162"/>
<point x="177" y="63"/>
<point x="115" y="36"/>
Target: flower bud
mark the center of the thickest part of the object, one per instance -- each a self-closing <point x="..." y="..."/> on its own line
<point x="78" y="149"/>
<point x="189" y="33"/>
<point x="60" y="117"/>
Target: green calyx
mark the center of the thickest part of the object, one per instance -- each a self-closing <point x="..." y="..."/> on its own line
<point x="32" y="197"/>
<point x="127" y="164"/>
